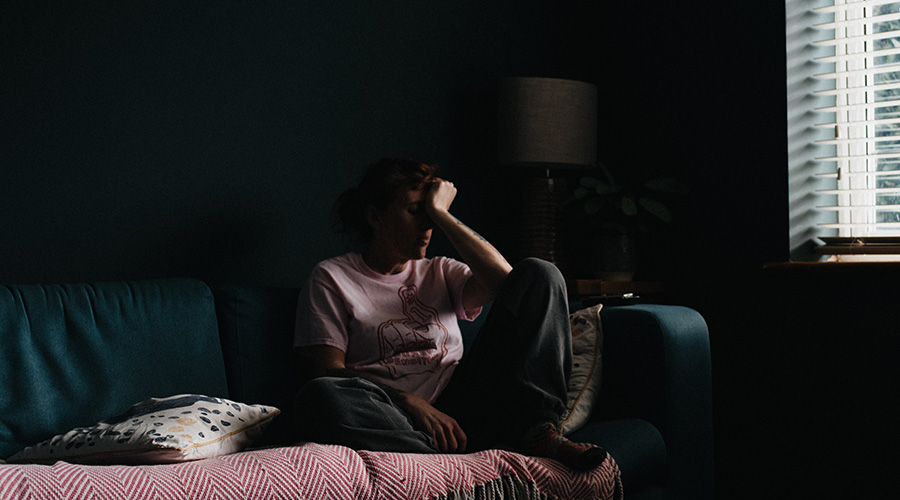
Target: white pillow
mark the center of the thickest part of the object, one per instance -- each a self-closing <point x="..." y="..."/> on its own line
<point x="173" y="429"/>
<point x="584" y="384"/>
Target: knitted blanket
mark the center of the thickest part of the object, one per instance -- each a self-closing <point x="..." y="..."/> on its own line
<point x="314" y="471"/>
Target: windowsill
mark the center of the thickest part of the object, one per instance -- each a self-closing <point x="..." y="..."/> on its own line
<point x="826" y="266"/>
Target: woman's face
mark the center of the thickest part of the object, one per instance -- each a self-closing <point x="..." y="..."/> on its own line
<point x="403" y="229"/>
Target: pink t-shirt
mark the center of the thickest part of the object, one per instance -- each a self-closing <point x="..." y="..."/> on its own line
<point x="400" y="330"/>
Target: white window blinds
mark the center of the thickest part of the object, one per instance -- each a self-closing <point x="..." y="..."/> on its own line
<point x="866" y="114"/>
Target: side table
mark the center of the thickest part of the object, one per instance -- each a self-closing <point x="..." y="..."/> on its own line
<point x="593" y="291"/>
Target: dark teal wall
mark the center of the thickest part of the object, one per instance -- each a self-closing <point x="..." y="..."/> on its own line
<point x="210" y="138"/>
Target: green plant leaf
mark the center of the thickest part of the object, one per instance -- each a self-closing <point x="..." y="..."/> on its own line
<point x="656" y="208"/>
<point x="597" y="185"/>
<point x="607" y="173"/>
<point x="592" y="206"/>
<point x="581" y="192"/>
<point x="629" y="207"/>
<point x="602" y="188"/>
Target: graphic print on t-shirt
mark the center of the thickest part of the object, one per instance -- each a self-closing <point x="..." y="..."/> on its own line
<point x="417" y="342"/>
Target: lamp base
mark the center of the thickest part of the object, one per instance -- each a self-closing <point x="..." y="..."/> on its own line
<point x="543" y="225"/>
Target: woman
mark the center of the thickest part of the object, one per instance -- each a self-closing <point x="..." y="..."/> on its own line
<point x="380" y="329"/>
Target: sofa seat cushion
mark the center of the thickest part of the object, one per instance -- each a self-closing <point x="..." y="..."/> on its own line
<point x="317" y="471"/>
<point x="74" y="354"/>
<point x="637" y="446"/>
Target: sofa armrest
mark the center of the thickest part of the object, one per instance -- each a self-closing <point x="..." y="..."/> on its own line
<point x="656" y="367"/>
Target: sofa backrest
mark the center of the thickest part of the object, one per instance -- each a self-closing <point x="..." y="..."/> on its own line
<point x="71" y="355"/>
<point x="257" y="328"/>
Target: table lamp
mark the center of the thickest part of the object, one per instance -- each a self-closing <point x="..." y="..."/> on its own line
<point x="546" y="126"/>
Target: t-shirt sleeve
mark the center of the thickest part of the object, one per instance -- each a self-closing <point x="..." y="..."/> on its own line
<point x="457" y="275"/>
<point x="322" y="316"/>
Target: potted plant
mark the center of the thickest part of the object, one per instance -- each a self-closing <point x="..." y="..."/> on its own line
<point x="617" y="212"/>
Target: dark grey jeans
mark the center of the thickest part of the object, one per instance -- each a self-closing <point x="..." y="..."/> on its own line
<point x="513" y="376"/>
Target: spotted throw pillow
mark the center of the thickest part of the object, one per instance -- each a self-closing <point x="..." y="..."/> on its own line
<point x="167" y="430"/>
<point x="584" y="384"/>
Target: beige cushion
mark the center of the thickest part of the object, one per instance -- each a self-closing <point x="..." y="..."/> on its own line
<point x="173" y="429"/>
<point x="584" y="384"/>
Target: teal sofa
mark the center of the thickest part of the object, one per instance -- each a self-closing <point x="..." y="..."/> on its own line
<point x="73" y="354"/>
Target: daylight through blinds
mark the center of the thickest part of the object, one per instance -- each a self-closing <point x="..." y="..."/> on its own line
<point x="866" y="114"/>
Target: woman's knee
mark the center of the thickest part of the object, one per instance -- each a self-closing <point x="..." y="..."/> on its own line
<point x="539" y="270"/>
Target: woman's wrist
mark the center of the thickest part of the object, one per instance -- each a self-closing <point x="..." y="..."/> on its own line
<point x="441" y="217"/>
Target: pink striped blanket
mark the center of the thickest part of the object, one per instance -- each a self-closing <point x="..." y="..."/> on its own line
<point x="313" y="471"/>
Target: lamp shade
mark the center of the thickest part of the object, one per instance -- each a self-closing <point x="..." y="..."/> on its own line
<point x="546" y="121"/>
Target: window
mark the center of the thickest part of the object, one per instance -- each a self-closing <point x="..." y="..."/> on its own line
<point x="844" y="122"/>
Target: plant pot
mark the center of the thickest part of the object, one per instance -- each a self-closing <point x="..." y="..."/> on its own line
<point x="614" y="256"/>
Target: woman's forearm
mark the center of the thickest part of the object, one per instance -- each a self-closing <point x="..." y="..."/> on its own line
<point x="488" y="265"/>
